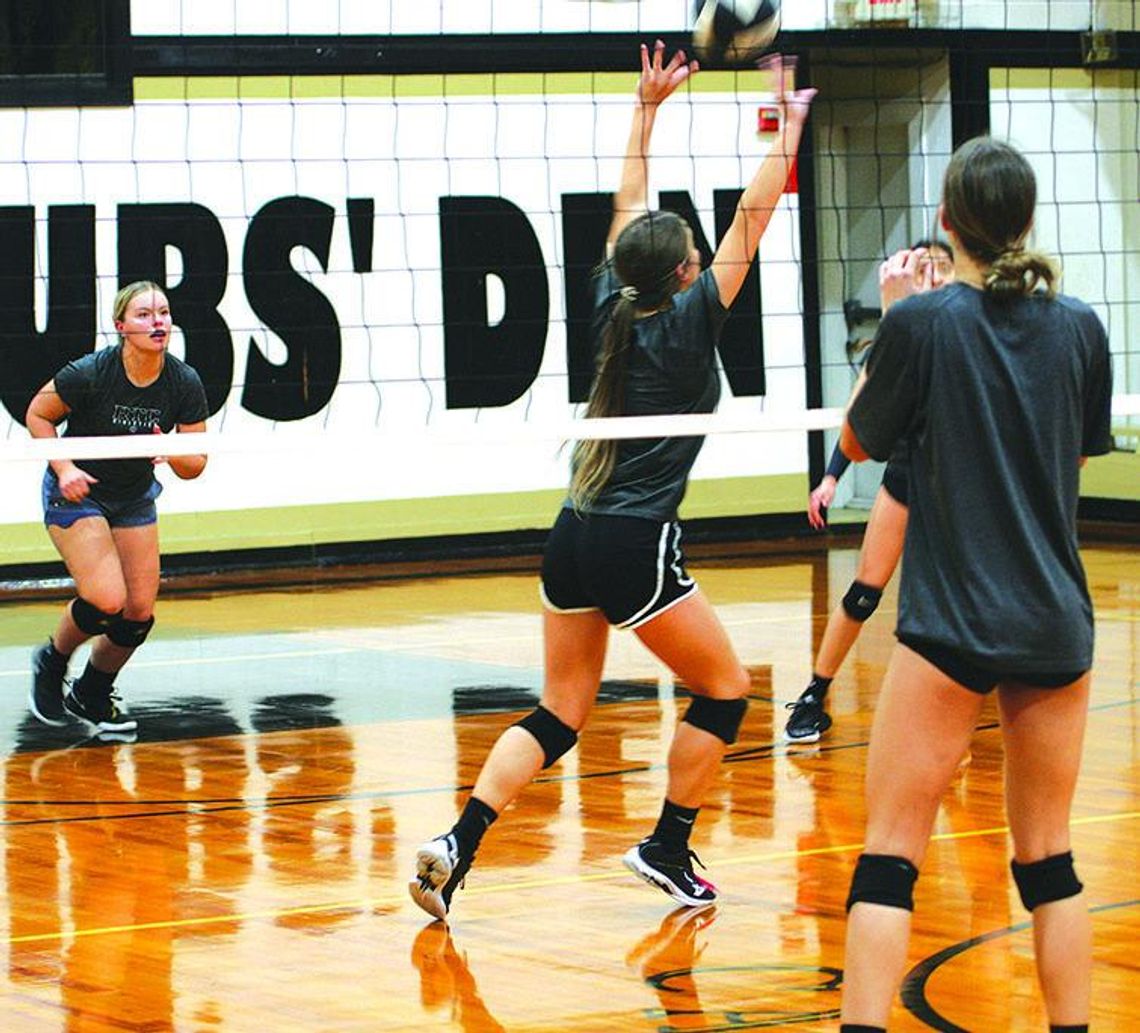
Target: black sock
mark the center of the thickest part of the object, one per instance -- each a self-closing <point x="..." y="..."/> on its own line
<point x="1079" y="1028"/>
<point x="476" y="818"/>
<point x="674" y="826"/>
<point x="94" y="682"/>
<point x="818" y="686"/>
<point x="855" y="1027"/>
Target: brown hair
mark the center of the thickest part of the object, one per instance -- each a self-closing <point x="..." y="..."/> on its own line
<point x="988" y="196"/>
<point x="645" y="259"/>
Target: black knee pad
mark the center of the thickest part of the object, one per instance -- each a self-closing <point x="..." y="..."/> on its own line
<point x="130" y="634"/>
<point x="721" y="717"/>
<point x="861" y="601"/>
<point x="553" y="736"/>
<point x="883" y="879"/>
<point x="90" y="619"/>
<point x="1042" y="882"/>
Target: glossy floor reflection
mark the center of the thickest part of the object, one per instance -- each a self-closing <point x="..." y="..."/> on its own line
<point x="242" y="865"/>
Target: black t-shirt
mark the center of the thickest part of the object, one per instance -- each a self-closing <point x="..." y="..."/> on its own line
<point x="897" y="463"/>
<point x="670" y="368"/>
<point x="103" y="401"/>
<point x="998" y="401"/>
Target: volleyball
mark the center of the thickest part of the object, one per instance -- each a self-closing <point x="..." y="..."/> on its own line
<point x="735" y="31"/>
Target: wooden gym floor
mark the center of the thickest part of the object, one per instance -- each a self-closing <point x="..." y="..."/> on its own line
<point x="243" y="865"/>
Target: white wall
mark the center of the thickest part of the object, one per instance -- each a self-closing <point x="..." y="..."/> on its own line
<point x="1081" y="132"/>
<point x="233" y="156"/>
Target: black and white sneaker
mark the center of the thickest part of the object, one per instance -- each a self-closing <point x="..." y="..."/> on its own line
<point x="808" y="720"/>
<point x="670" y="871"/>
<point x="440" y="870"/>
<point x="45" y="697"/>
<point x="102" y="713"/>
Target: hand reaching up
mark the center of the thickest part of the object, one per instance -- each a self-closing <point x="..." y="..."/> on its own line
<point x="658" y="79"/>
<point x="794" y="104"/>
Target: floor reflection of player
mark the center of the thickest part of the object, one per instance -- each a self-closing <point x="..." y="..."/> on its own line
<point x="446" y="981"/>
<point x="665" y="959"/>
<point x="812" y="932"/>
<point x="129" y="880"/>
<point x="311" y="819"/>
<point x="31" y="875"/>
<point x="313" y="839"/>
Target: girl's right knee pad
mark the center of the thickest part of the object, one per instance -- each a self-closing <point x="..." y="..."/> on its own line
<point x="883" y="879"/>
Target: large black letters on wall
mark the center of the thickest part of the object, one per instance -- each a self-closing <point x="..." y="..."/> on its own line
<point x="30" y="359"/>
<point x="145" y="230"/>
<point x="490" y="365"/>
<point x="485" y="365"/>
<point x="293" y="309"/>
<point x="585" y="223"/>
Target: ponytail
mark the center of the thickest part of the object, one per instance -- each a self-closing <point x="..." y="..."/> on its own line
<point x="1018" y="272"/>
<point x="645" y="260"/>
<point x="593" y="461"/>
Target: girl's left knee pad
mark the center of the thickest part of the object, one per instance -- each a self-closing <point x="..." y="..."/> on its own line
<point x="129" y="634"/>
<point x="552" y="735"/>
<point x="1042" y="882"/>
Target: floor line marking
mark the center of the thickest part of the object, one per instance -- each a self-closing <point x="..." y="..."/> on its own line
<point x="509" y="887"/>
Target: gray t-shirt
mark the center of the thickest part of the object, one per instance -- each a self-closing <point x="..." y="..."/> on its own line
<point x="670" y="368"/>
<point x="103" y="401"/>
<point x="999" y="401"/>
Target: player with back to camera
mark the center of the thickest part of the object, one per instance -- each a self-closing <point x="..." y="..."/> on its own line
<point x="100" y="514"/>
<point x="613" y="556"/>
<point x="1003" y="387"/>
<point x="925" y="265"/>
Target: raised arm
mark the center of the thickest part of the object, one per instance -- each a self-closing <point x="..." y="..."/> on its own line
<point x="753" y="212"/>
<point x="658" y="80"/>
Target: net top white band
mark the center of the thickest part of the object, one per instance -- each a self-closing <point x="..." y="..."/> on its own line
<point x="617" y="428"/>
<point x="620" y="427"/>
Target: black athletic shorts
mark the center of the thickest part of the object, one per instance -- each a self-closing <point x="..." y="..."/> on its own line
<point x="895" y="480"/>
<point x="629" y="568"/>
<point x="978" y="679"/>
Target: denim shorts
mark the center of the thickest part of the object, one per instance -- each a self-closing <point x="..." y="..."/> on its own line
<point x="133" y="512"/>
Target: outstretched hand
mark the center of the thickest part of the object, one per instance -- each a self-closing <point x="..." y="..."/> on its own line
<point x="794" y="104"/>
<point x="658" y="79"/>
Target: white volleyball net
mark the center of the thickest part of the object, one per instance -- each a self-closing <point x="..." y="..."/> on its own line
<point x="382" y="278"/>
